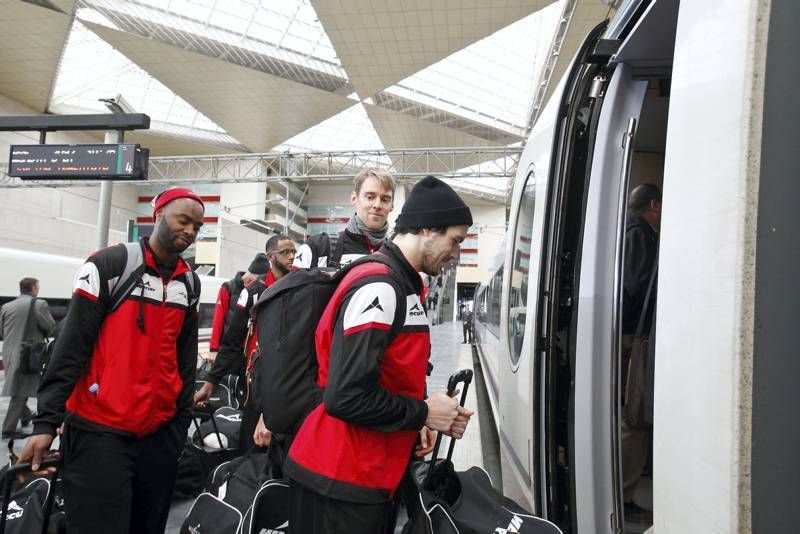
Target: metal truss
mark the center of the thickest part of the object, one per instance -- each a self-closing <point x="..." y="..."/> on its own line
<point x="552" y="59"/>
<point x="455" y="164"/>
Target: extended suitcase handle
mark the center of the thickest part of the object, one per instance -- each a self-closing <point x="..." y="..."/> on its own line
<point x="465" y="376"/>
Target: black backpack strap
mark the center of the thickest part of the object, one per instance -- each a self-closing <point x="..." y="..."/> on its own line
<point x="193" y="285"/>
<point x="130" y="277"/>
<point x="30" y="322"/>
<point x="335" y="259"/>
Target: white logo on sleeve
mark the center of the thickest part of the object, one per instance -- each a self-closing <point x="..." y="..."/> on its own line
<point x="244" y="297"/>
<point x="347" y="258"/>
<point x="302" y="260"/>
<point x="87" y="281"/>
<point x="176" y="293"/>
<point x="371" y="306"/>
<point x="415" y="313"/>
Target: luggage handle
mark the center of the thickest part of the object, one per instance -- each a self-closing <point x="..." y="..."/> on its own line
<point x="19" y="469"/>
<point x="465" y="376"/>
<point x="215" y="430"/>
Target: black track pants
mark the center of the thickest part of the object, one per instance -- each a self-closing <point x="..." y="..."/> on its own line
<point x="312" y="513"/>
<point x="118" y="485"/>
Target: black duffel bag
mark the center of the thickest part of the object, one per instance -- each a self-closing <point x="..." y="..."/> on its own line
<point x="440" y="500"/>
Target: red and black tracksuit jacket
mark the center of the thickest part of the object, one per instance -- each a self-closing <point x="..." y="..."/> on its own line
<point x="373" y="346"/>
<point x="228" y="291"/>
<point x="127" y="371"/>
<point x="231" y="356"/>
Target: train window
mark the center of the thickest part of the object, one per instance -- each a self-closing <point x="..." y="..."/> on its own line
<point x="518" y="294"/>
<point x="495" y="292"/>
<point x="206" y="315"/>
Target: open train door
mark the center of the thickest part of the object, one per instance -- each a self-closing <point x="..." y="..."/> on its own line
<point x="632" y="117"/>
<point x="525" y="396"/>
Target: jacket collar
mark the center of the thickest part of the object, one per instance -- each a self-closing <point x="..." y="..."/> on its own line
<point x="408" y="272"/>
<point x="150" y="260"/>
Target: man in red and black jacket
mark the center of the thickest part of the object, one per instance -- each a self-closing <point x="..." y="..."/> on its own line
<point x="121" y="377"/>
<point x="236" y="348"/>
<point x="227" y="296"/>
<point x="373" y="346"/>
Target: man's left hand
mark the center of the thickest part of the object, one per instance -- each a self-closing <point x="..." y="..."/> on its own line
<point x="427" y="438"/>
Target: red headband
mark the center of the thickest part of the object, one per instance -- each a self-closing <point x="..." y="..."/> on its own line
<point x="165" y="197"/>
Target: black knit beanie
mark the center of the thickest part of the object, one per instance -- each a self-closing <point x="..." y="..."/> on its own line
<point x="260" y="264"/>
<point x="433" y="204"/>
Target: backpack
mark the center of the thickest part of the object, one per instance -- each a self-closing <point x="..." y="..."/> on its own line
<point x="330" y="247"/>
<point x="286" y="316"/>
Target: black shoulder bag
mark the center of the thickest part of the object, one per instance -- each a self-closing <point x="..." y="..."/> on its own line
<point x="31" y="352"/>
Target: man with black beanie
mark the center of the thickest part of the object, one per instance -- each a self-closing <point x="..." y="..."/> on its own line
<point x="373" y="346"/>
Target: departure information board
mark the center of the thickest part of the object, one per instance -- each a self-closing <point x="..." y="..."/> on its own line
<point x="78" y="162"/>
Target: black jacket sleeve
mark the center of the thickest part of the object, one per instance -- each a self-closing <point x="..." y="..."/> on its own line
<point x="353" y="392"/>
<point x="640" y="255"/>
<point x="230" y="357"/>
<point x="73" y="348"/>
<point x="187" y="365"/>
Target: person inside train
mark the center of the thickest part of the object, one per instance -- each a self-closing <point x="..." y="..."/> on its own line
<point x="373" y="346"/>
<point x="121" y="377"/>
<point x="638" y="308"/>
<point x="373" y="199"/>
<point x="237" y="347"/>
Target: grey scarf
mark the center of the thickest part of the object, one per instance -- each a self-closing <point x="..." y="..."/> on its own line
<point x="376" y="237"/>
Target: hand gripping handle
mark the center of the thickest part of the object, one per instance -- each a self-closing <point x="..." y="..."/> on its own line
<point x="465" y="376"/>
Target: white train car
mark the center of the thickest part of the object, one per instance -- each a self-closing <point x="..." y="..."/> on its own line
<point x="698" y="97"/>
<point x="56" y="274"/>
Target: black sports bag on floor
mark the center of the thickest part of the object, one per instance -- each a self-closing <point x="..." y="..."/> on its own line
<point x="440" y="500"/>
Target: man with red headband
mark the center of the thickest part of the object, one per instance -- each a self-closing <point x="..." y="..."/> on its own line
<point x="122" y="375"/>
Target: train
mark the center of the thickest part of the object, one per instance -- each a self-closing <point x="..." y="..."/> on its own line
<point x="693" y="97"/>
<point x="56" y="274"/>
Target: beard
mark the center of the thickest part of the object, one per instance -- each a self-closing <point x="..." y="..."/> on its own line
<point x="167" y="238"/>
<point x="283" y="268"/>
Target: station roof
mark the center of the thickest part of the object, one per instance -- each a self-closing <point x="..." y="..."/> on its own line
<point x="264" y="75"/>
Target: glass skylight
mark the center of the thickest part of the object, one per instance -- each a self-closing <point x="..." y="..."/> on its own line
<point x="350" y="129"/>
<point x="91" y="69"/>
<point x="285" y="29"/>
<point x="492" y="81"/>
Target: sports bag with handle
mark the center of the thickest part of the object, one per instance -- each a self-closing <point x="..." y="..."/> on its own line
<point x="440" y="500"/>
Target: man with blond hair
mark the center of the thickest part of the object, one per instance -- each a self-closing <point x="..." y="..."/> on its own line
<point x="373" y="199"/>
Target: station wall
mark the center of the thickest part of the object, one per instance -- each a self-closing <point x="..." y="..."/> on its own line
<point x="490" y="222"/>
<point x="57" y="221"/>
